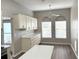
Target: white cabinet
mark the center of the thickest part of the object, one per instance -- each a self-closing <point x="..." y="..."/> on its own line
<point x="9" y="56"/>
<point x="19" y="21"/>
<point x="27" y="43"/>
<point x="24" y="22"/>
<point x="29" y="23"/>
<point x="34" y="23"/>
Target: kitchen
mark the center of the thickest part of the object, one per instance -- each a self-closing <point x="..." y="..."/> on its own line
<point x="32" y="23"/>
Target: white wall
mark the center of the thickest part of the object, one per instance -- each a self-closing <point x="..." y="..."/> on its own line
<point x="63" y="12"/>
<point x="9" y="8"/>
<point x="74" y="26"/>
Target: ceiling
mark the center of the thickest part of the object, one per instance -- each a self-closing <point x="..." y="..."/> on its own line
<point x="36" y="5"/>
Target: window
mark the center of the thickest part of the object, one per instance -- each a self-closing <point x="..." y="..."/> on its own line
<point x="46" y="30"/>
<point x="7" y="32"/>
<point x="60" y="29"/>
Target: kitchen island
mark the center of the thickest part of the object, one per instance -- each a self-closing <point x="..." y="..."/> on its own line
<point x="38" y="52"/>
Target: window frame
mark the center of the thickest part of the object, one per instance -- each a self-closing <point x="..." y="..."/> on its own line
<point x="55" y="30"/>
<point x="6" y="21"/>
<point x="42" y="32"/>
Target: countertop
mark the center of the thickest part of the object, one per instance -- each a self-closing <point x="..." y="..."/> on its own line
<point x="31" y="35"/>
<point x="38" y="52"/>
<point x="5" y="46"/>
<point x="4" y="49"/>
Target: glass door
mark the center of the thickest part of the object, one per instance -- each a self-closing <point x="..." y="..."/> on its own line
<point x="7" y="32"/>
<point x="60" y="29"/>
<point x="46" y="30"/>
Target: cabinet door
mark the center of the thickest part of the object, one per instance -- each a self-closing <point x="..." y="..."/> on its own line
<point x="25" y="21"/>
<point x="9" y="56"/>
<point x="23" y="44"/>
<point x="26" y="44"/>
<point x="22" y="22"/>
<point x="29" y="23"/>
<point x="34" y="23"/>
<point x="19" y="21"/>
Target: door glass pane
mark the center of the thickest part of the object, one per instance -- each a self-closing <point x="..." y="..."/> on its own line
<point x="46" y="30"/>
<point x="7" y="32"/>
<point x="7" y="38"/>
<point x="60" y="29"/>
<point x="7" y="27"/>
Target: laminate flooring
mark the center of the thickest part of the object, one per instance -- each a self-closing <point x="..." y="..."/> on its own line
<point x="63" y="52"/>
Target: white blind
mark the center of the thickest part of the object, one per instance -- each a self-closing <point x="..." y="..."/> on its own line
<point x="46" y="30"/>
<point x="7" y="32"/>
<point x="60" y="29"/>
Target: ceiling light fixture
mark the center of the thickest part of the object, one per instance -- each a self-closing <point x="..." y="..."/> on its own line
<point x="50" y="8"/>
<point x="50" y="2"/>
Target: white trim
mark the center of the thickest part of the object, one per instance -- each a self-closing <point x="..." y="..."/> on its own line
<point x="74" y="50"/>
<point x="17" y="54"/>
<point x="56" y="43"/>
<point x="5" y="18"/>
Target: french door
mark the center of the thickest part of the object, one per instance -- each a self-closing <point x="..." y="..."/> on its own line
<point x="56" y="29"/>
<point x="46" y="29"/>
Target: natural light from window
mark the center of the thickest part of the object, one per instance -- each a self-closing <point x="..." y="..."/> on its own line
<point x="60" y="29"/>
<point x="7" y="33"/>
<point x="46" y="30"/>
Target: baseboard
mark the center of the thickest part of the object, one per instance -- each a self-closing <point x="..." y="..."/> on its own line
<point x="56" y="43"/>
<point x="17" y="54"/>
<point x="74" y="51"/>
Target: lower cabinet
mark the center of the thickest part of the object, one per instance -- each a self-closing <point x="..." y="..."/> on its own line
<point x="27" y="43"/>
<point x="9" y="54"/>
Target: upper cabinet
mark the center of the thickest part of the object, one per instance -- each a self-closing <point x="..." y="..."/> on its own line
<point x="19" y="21"/>
<point x="29" y="23"/>
<point x="24" y="22"/>
<point x="34" y="23"/>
